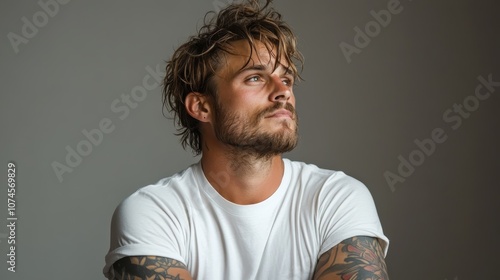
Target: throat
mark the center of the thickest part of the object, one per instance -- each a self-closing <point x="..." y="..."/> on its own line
<point x="243" y="182"/>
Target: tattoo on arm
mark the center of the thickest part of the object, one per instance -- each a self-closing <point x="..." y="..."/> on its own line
<point x="357" y="258"/>
<point x="149" y="268"/>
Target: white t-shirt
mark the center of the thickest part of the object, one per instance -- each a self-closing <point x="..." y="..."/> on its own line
<point x="184" y="218"/>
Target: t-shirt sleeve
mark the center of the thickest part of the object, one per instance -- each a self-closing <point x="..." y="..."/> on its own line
<point x="346" y="209"/>
<point x="144" y="225"/>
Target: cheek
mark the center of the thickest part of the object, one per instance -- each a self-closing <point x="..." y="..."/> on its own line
<point x="246" y="101"/>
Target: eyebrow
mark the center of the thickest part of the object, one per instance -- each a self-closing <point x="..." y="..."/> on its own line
<point x="258" y="67"/>
<point x="261" y="67"/>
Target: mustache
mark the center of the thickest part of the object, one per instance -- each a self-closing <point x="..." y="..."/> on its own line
<point x="278" y="105"/>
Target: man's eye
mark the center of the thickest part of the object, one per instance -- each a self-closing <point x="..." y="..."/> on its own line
<point x="254" y="79"/>
<point x="288" y="82"/>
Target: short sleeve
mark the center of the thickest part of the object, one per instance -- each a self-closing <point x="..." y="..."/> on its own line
<point x="346" y="209"/>
<point x="145" y="225"/>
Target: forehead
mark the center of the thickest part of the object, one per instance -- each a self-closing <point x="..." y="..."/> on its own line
<point x="241" y="54"/>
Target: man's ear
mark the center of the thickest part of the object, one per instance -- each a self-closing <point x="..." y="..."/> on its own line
<point x="197" y="106"/>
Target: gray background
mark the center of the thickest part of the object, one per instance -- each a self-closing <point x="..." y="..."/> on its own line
<point x="357" y="117"/>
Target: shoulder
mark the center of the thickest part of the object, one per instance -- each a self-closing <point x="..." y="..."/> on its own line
<point x="170" y="188"/>
<point x="342" y="205"/>
<point x="172" y="194"/>
<point x="332" y="195"/>
<point x="325" y="181"/>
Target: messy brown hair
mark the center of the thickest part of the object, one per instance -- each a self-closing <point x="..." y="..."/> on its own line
<point x="193" y="64"/>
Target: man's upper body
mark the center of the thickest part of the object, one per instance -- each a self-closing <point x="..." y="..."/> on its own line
<point x="184" y="218"/>
<point x="243" y="212"/>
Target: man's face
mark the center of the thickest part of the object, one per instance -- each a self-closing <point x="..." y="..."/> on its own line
<point x="255" y="105"/>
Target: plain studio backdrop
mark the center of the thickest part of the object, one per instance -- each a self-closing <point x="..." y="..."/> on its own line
<point x="403" y="96"/>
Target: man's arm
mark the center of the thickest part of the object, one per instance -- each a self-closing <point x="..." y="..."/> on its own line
<point x="356" y="258"/>
<point x="149" y="267"/>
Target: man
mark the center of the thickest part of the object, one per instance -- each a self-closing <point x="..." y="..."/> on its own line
<point x="243" y="211"/>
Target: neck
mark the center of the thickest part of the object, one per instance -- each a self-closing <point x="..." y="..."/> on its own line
<point x="243" y="178"/>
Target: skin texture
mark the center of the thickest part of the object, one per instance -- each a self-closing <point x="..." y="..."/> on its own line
<point x="357" y="258"/>
<point x="242" y="121"/>
<point x="247" y="99"/>
<point x="149" y="268"/>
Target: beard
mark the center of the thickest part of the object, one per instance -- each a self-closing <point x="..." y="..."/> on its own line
<point x="243" y="135"/>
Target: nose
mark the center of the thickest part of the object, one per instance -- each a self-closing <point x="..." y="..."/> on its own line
<point x="280" y="91"/>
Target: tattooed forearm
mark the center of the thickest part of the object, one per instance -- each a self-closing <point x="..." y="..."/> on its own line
<point x="357" y="258"/>
<point x="149" y="268"/>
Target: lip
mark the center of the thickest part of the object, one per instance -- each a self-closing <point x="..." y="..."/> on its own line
<point x="281" y="113"/>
